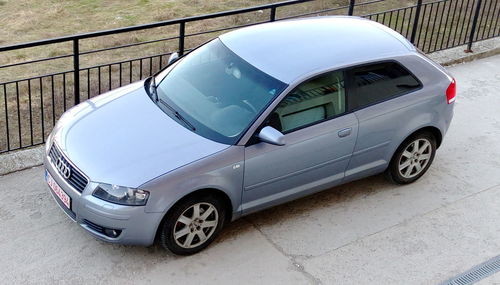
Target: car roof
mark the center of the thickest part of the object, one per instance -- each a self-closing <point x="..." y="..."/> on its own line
<point x="291" y="49"/>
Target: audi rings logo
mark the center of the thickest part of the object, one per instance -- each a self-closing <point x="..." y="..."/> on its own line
<point x="63" y="168"/>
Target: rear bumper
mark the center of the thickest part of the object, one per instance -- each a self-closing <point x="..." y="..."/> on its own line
<point x="137" y="227"/>
<point x="447" y="117"/>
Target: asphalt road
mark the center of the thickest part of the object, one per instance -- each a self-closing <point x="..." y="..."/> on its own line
<point x="365" y="232"/>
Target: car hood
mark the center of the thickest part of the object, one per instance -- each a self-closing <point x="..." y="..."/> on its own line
<point x="123" y="138"/>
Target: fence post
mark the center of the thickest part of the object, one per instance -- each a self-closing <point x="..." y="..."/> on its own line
<point x="182" y="30"/>
<point x="415" y="22"/>
<point x="76" y="70"/>
<point x="272" y="16"/>
<point x="473" y="29"/>
<point x="351" y="7"/>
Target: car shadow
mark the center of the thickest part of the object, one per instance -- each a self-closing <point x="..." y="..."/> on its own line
<point x="281" y="214"/>
<point x="338" y="196"/>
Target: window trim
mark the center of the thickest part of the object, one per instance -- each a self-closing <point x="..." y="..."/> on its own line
<point x="262" y="125"/>
<point x="350" y="83"/>
<point x="347" y="89"/>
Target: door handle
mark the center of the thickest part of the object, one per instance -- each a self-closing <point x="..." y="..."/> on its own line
<point x="345" y="132"/>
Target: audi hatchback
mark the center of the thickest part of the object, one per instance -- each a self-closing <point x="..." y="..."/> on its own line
<point x="254" y="118"/>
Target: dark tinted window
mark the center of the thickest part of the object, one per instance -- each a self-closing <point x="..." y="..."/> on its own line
<point x="378" y="82"/>
<point x="313" y="101"/>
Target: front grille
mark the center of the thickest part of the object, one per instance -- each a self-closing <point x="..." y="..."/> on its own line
<point x="76" y="179"/>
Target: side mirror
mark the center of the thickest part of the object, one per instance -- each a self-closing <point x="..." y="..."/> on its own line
<point x="271" y="135"/>
<point x="173" y="57"/>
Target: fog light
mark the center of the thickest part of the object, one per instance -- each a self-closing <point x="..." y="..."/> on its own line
<point x="112" y="233"/>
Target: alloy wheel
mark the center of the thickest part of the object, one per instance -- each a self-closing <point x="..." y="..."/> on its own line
<point x="415" y="158"/>
<point x="196" y="225"/>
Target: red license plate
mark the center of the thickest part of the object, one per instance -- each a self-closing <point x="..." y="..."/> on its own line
<point x="65" y="199"/>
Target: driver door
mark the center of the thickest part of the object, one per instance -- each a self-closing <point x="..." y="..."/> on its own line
<point x="319" y="140"/>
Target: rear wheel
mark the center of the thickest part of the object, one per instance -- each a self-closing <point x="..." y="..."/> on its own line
<point x="412" y="159"/>
<point x="192" y="225"/>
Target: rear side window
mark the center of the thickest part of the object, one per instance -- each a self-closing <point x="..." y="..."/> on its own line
<point x="375" y="83"/>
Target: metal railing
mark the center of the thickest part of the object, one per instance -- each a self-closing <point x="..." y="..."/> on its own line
<point x="34" y="96"/>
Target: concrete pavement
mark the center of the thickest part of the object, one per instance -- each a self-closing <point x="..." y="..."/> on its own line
<point x="364" y="232"/>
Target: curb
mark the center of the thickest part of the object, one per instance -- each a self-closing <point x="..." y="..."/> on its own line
<point x="457" y="55"/>
<point x="472" y="57"/>
<point x="21" y="159"/>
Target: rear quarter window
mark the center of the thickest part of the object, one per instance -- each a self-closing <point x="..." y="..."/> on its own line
<point x="374" y="83"/>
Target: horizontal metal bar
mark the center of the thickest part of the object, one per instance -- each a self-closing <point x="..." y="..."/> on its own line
<point x="36" y="60"/>
<point x="461" y="44"/>
<point x="22" y="147"/>
<point x="367" y="2"/>
<point x="37" y="77"/>
<point x="400" y="9"/>
<point x="333" y="9"/>
<point x="315" y="12"/>
<point x="128" y="45"/>
<point x="149" y="26"/>
<point x="391" y="10"/>
<point x="224" y="29"/>
<point x="434" y="2"/>
<point x="124" y="61"/>
<point x="85" y="68"/>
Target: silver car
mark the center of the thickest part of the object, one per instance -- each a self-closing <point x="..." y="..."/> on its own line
<point x="252" y="119"/>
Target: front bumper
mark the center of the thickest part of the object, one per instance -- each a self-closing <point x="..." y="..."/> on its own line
<point x="137" y="227"/>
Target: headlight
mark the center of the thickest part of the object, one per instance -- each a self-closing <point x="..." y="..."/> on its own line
<point x="121" y="195"/>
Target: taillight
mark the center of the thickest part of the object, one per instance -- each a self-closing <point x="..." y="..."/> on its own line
<point x="451" y="91"/>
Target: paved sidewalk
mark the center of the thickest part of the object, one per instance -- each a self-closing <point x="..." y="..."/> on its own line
<point x="365" y="232"/>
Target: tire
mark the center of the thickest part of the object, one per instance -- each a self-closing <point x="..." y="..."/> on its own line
<point x="184" y="232"/>
<point x="409" y="164"/>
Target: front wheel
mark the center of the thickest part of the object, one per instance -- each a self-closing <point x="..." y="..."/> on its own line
<point x="192" y="225"/>
<point x="412" y="159"/>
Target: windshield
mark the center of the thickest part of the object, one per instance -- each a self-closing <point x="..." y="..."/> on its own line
<point x="219" y="93"/>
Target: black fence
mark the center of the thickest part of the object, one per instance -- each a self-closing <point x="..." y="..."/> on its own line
<point x="40" y="80"/>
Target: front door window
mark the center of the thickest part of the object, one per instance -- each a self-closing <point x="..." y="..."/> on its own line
<point x="313" y="101"/>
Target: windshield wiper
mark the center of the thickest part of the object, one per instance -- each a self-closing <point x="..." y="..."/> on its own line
<point x="154" y="95"/>
<point x="176" y="114"/>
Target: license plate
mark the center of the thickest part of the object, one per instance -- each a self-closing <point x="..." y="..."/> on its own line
<point x="65" y="199"/>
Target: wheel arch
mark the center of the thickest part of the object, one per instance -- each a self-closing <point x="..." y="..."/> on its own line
<point x="228" y="205"/>
<point x="433" y="131"/>
<point x="430" y="129"/>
